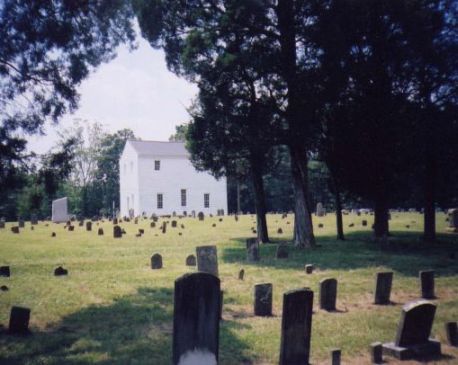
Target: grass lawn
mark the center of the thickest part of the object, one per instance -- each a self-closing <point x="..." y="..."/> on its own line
<point x="113" y="309"/>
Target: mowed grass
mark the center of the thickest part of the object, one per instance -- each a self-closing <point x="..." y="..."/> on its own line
<point x="113" y="309"/>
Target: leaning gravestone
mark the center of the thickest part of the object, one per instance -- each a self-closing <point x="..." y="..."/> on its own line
<point x="328" y="294"/>
<point x="19" y="320"/>
<point x="427" y="284"/>
<point x="296" y="327"/>
<point x="156" y="261"/>
<point x="252" y="249"/>
<point x="207" y="259"/>
<point x="196" y="317"/>
<point x="383" y="287"/>
<point x="60" y="210"/>
<point x="412" y="337"/>
<point x="282" y="252"/>
<point x="263" y="300"/>
<point x="320" y="212"/>
<point x="191" y="260"/>
<point x="117" y="232"/>
<point x="452" y="220"/>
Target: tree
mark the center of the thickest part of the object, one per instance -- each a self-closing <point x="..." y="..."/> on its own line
<point x="46" y="49"/>
<point x="180" y="133"/>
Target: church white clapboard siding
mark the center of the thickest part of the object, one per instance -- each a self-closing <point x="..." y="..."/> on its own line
<point x="158" y="177"/>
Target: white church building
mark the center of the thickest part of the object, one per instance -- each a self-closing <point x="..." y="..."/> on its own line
<point x="158" y="177"/>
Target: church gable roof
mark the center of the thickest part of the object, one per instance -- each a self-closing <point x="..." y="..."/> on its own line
<point x="156" y="148"/>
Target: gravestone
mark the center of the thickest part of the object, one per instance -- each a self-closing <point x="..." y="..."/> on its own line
<point x="280" y="231"/>
<point x="309" y="268"/>
<point x="19" y="320"/>
<point x="5" y="271"/>
<point x="427" y="284"/>
<point x="21" y="223"/>
<point x="152" y="224"/>
<point x="383" y="283"/>
<point x="71" y="228"/>
<point x="136" y="221"/>
<point x="201" y="216"/>
<point x="207" y="259"/>
<point x="81" y="223"/>
<point x="88" y="226"/>
<point x="320" y="225"/>
<point x="60" y="271"/>
<point x="191" y="260"/>
<point x="174" y="224"/>
<point x="376" y="353"/>
<point x="15" y="229"/>
<point x="214" y="225"/>
<point x="115" y="220"/>
<point x="2" y="223"/>
<point x="53" y="234"/>
<point x="141" y="231"/>
<point x="182" y="226"/>
<point x="412" y="337"/>
<point x="320" y="212"/>
<point x="196" y="317"/>
<point x="100" y="231"/>
<point x="364" y="223"/>
<point x="263" y="300"/>
<point x="296" y="327"/>
<point x="451" y="332"/>
<point x="156" y="261"/>
<point x="335" y="356"/>
<point x="452" y="220"/>
<point x="60" y="210"/>
<point x="164" y="227"/>
<point x="328" y="294"/>
<point x="4" y="288"/>
<point x="282" y="252"/>
<point x="117" y="232"/>
<point x="252" y="249"/>
<point x="33" y="219"/>
<point x="241" y="274"/>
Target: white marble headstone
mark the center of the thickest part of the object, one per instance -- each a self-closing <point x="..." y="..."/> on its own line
<point x="59" y="210"/>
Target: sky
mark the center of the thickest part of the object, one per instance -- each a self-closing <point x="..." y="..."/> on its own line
<point x="136" y="91"/>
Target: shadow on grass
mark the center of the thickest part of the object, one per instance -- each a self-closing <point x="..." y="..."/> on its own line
<point x="134" y="329"/>
<point x="405" y="252"/>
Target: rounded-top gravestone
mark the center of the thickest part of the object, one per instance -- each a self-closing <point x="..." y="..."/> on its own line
<point x="156" y="261"/>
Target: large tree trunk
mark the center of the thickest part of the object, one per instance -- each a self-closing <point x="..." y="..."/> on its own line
<point x="381" y="219"/>
<point x="340" y="233"/>
<point x="303" y="228"/>
<point x="260" y="201"/>
<point x="429" y="231"/>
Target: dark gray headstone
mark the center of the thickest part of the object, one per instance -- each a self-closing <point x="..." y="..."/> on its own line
<point x="376" y="353"/>
<point x="282" y="252"/>
<point x="296" y="327"/>
<point x="21" y="223"/>
<point x="100" y="231"/>
<point x="19" y="320"/>
<point x="280" y="231"/>
<point x="328" y="294"/>
<point x="33" y="219"/>
<point x="15" y="229"/>
<point x="164" y="227"/>
<point x="335" y="356"/>
<point x="207" y="259"/>
<point x="5" y="271"/>
<point x="320" y="225"/>
<point x="201" y="216"/>
<point x="174" y="224"/>
<point x="141" y="231"/>
<point x="309" y="268"/>
<point x="263" y="300"/>
<point x="117" y="232"/>
<point x="156" y="261"/>
<point x="191" y="260"/>
<point x="412" y="337"/>
<point x="427" y="284"/>
<point x="60" y="271"/>
<point x="53" y="234"/>
<point x="364" y="223"/>
<point x="252" y="249"/>
<point x="383" y="283"/>
<point x="241" y="274"/>
<point x="452" y="333"/>
<point x="196" y="317"/>
<point x="88" y="226"/>
<point x="71" y="228"/>
<point x="115" y="220"/>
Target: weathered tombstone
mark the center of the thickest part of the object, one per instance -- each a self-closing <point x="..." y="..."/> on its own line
<point x="201" y="216"/>
<point x="21" y="223"/>
<point x="376" y="353"/>
<point x="282" y="252"/>
<point x="296" y="327"/>
<point x="335" y="356"/>
<point x="328" y="294"/>
<point x="5" y="271"/>
<point x="320" y="212"/>
<point x="141" y="231"/>
<point x="309" y="268"/>
<point x="15" y="229"/>
<point x="263" y="300"/>
<point x="174" y="224"/>
<point x="280" y="231"/>
<point x="81" y="223"/>
<point x="241" y="274"/>
<point x="364" y="223"/>
<point x="427" y="284"/>
<point x="383" y="283"/>
<point x="60" y="271"/>
<point x="196" y="317"/>
<point x="252" y="249"/>
<point x="88" y="226"/>
<point x="71" y="228"/>
<point x="100" y="231"/>
<point x="207" y="259"/>
<point x="60" y="210"/>
<point x="19" y="320"/>
<point x="156" y="261"/>
<point x="451" y="332"/>
<point x="412" y="337"/>
<point x="117" y="232"/>
<point x="452" y="220"/>
<point x="191" y="260"/>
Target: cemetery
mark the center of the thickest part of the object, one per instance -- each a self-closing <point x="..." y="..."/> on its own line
<point x="218" y="296"/>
